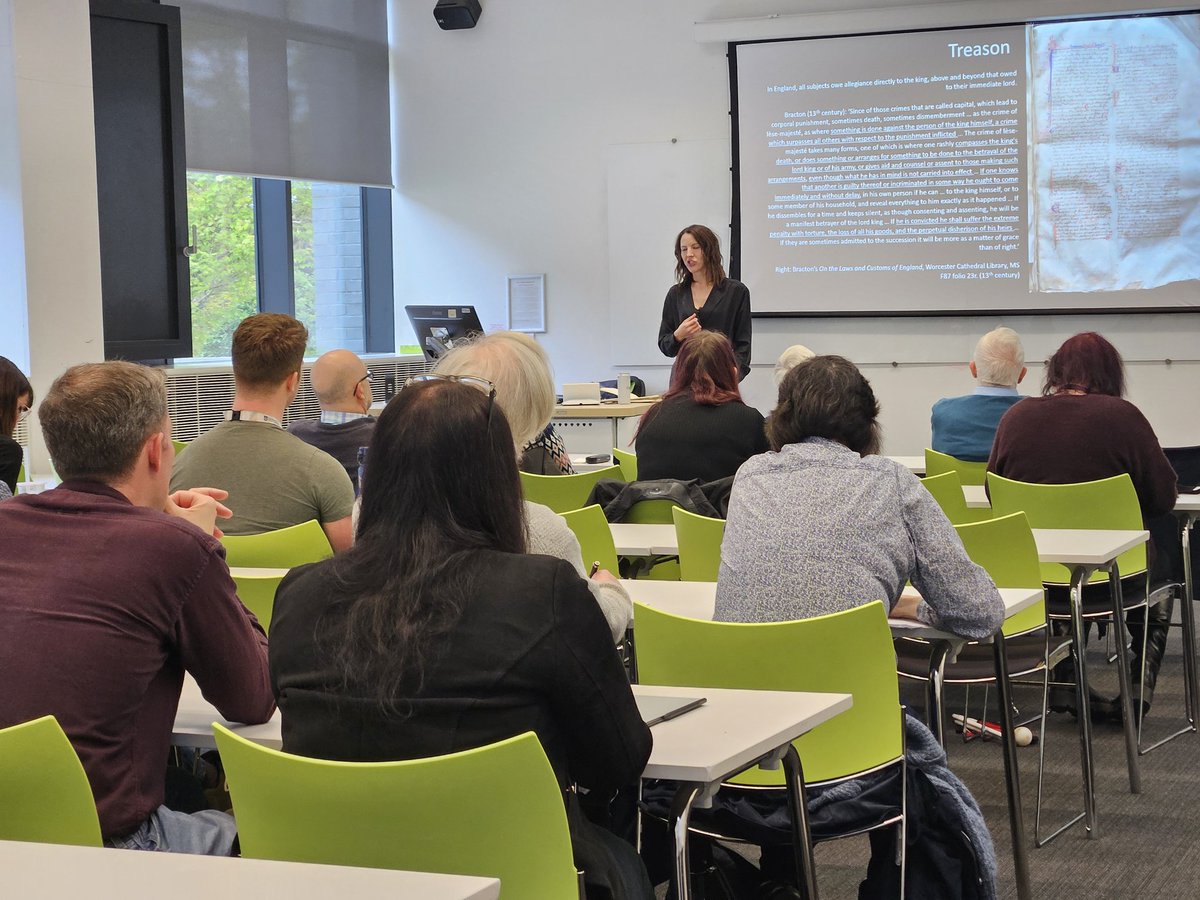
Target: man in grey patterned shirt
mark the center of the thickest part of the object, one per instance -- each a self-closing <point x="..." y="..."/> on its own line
<point x="819" y="527"/>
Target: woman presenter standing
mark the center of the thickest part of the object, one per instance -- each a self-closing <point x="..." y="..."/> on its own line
<point x="704" y="299"/>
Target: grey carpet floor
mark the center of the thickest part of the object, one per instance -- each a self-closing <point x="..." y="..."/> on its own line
<point x="1146" y="844"/>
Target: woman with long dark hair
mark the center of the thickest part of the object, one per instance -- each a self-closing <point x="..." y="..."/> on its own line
<point x="436" y="632"/>
<point x="16" y="399"/>
<point x="1082" y="429"/>
<point x="704" y="298"/>
<point x="701" y="428"/>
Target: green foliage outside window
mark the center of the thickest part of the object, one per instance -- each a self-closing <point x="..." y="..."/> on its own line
<point x="224" y="289"/>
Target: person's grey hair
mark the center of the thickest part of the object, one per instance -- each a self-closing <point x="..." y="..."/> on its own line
<point x="999" y="358"/>
<point x="97" y="417"/>
<point x="519" y="368"/>
<point x="789" y="358"/>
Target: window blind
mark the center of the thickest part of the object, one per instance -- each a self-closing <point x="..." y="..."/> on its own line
<point x="294" y="89"/>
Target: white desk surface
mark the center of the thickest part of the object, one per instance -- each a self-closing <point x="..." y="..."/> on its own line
<point x="54" y="871"/>
<point x="724" y="736"/>
<point x="580" y="464"/>
<point x="732" y="730"/>
<point x="256" y="572"/>
<point x="697" y="599"/>
<point x="1084" y="547"/>
<point x="644" y="540"/>
<point x="914" y="464"/>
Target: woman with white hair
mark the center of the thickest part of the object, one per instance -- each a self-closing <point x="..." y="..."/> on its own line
<point x="789" y="359"/>
<point x="519" y="370"/>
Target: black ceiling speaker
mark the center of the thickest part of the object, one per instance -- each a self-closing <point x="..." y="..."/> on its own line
<point x="454" y="14"/>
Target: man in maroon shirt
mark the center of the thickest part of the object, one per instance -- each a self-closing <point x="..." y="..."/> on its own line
<point x="110" y="588"/>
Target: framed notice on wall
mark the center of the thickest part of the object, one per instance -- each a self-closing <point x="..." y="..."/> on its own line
<point x="527" y="303"/>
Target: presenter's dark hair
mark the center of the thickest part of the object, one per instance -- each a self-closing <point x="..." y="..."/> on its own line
<point x="826" y="397"/>
<point x="13" y="386"/>
<point x="440" y="484"/>
<point x="1086" y="362"/>
<point x="710" y="246"/>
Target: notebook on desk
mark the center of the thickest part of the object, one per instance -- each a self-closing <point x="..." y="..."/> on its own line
<point x="660" y="709"/>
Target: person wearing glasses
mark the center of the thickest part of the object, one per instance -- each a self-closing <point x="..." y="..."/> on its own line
<point x="438" y="632"/>
<point x="16" y="399"/>
<point x="342" y="383"/>
<point x="515" y="366"/>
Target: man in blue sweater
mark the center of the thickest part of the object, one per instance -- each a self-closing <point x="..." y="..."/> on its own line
<point x="964" y="427"/>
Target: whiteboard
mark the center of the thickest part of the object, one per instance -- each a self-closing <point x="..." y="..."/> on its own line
<point x="653" y="191"/>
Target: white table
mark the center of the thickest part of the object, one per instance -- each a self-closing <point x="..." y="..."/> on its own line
<point x="633" y="539"/>
<point x="598" y="428"/>
<point x="697" y="599"/>
<point x="733" y="731"/>
<point x="256" y="572"/>
<point x="36" y="871"/>
<point x="914" y="464"/>
<point x="1084" y="551"/>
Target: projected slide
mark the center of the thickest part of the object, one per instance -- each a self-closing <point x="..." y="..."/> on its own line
<point x="924" y="172"/>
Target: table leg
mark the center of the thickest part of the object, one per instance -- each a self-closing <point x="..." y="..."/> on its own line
<point x="1122" y="640"/>
<point x="934" y="714"/>
<point x="793" y="773"/>
<point x="681" y="810"/>
<point x="1189" y="624"/>
<point x="1016" y="820"/>
<point x="1079" y="577"/>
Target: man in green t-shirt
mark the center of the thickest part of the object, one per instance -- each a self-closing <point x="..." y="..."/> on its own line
<point x="274" y="479"/>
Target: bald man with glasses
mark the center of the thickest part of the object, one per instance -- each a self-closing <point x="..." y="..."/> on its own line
<point x="342" y="383"/>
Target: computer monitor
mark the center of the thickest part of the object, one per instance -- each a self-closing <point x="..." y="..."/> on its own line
<point x="439" y="329"/>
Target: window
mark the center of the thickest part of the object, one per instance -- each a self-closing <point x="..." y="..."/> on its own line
<point x="321" y="252"/>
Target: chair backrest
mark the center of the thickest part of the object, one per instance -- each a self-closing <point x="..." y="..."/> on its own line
<point x="21" y="473"/>
<point x="257" y="592"/>
<point x="564" y="492"/>
<point x="1005" y="548"/>
<point x="282" y="549"/>
<point x="595" y="536"/>
<point x="968" y="472"/>
<point x="180" y="446"/>
<point x="44" y="793"/>
<point x="495" y="811"/>
<point x="628" y="463"/>
<point x="651" y="512"/>
<point x="848" y="652"/>
<point x="699" y="540"/>
<point x="1107" y="503"/>
<point x="947" y="491"/>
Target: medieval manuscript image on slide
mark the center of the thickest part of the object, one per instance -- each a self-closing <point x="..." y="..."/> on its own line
<point x="1116" y="153"/>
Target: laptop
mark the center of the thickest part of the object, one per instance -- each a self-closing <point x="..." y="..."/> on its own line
<point x="586" y="393"/>
<point x="660" y="709"/>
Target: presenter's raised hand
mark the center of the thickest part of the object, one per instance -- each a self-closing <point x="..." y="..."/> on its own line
<point x="201" y="506"/>
<point x="687" y="328"/>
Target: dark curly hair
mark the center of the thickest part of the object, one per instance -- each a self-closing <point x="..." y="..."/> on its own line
<point x="826" y="397"/>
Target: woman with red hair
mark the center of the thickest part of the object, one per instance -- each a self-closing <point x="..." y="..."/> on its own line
<point x="700" y="429"/>
<point x="1082" y="429"/>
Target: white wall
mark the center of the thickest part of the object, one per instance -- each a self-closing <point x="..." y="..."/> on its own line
<point x="505" y="137"/>
<point x="52" y="176"/>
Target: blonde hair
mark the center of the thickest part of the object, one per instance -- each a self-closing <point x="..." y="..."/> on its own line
<point x="789" y="358"/>
<point x="519" y="368"/>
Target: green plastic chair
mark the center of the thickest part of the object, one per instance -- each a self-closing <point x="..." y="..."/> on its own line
<point x="563" y="493"/>
<point x="257" y="592"/>
<point x="968" y="472"/>
<point x="281" y="549"/>
<point x="44" y="793"/>
<point x="595" y="537"/>
<point x="21" y="473"/>
<point x="628" y="463"/>
<point x="947" y="491"/>
<point x="699" y="545"/>
<point x="495" y="811"/>
<point x="1108" y="503"/>
<point x="180" y="446"/>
